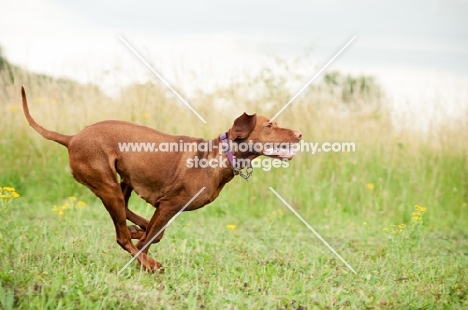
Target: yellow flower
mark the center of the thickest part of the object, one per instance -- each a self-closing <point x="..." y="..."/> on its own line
<point x="60" y="212"/>
<point x="8" y="192"/>
<point x="145" y="115"/>
<point x="401" y="226"/>
<point x="55" y="209"/>
<point x="72" y="198"/>
<point x="420" y="208"/>
<point x="364" y="223"/>
<point x="385" y="229"/>
<point x="416" y="217"/>
<point x="370" y="186"/>
<point x="231" y="227"/>
<point x="81" y="203"/>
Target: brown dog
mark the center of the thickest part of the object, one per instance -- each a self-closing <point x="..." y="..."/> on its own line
<point x="164" y="179"/>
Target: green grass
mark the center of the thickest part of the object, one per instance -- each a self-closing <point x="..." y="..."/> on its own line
<point x="270" y="260"/>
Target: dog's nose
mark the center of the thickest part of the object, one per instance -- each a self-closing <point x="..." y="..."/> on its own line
<point x="298" y="134"/>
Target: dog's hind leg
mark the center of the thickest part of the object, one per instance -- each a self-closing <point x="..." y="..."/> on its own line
<point x="101" y="180"/>
<point x="135" y="231"/>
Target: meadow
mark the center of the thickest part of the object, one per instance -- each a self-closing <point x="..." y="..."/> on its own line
<point x="396" y="209"/>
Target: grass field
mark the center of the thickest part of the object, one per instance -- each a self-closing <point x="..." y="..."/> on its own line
<point x="396" y="210"/>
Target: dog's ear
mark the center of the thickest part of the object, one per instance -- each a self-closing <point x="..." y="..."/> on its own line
<point x="243" y="126"/>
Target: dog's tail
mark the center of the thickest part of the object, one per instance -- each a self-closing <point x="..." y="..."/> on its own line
<point x="50" y="135"/>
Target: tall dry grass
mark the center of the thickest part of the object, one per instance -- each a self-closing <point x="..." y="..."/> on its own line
<point x="408" y="166"/>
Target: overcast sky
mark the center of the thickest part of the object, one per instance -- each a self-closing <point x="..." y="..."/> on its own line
<point x="408" y="45"/>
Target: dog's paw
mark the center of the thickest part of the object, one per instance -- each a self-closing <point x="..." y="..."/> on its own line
<point x="150" y="264"/>
<point x="159" y="268"/>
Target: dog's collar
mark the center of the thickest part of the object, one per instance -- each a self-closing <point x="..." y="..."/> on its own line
<point x="232" y="159"/>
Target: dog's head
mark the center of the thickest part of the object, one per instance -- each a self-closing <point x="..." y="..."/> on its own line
<point x="259" y="131"/>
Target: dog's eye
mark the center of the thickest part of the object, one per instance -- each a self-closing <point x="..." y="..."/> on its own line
<point x="267" y="125"/>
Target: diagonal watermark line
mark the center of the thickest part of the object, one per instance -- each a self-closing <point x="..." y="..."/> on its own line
<point x="313" y="230"/>
<point x="162" y="79"/>
<point x="161" y="230"/>
<point x="313" y="78"/>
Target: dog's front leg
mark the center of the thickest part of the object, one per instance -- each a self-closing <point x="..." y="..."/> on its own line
<point x="156" y="227"/>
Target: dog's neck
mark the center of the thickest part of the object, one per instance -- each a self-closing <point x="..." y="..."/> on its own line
<point x="241" y="159"/>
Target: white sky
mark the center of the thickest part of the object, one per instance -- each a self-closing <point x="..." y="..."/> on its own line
<point x="415" y="49"/>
